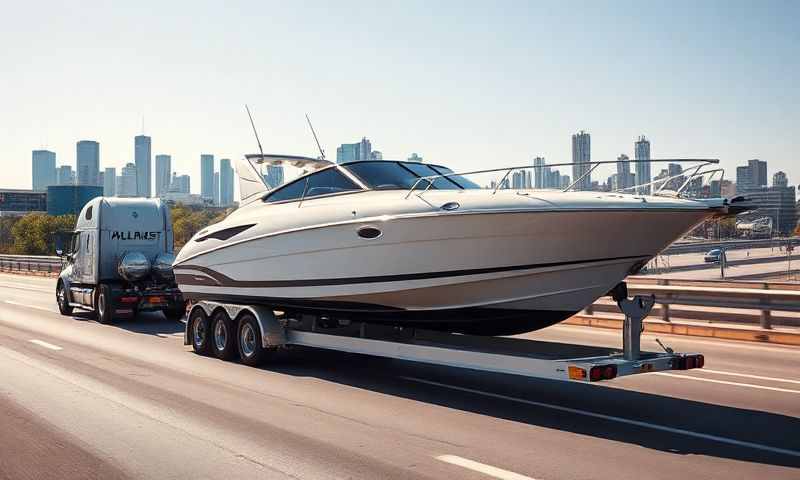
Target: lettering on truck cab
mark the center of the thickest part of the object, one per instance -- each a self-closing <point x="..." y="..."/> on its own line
<point x="135" y="235"/>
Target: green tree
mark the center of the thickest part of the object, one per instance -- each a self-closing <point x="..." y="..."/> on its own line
<point x="35" y="233"/>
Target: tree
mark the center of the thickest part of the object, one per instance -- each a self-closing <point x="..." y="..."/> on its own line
<point x="35" y="233"/>
<point x="186" y="221"/>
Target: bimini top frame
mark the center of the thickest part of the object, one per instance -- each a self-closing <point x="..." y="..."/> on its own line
<point x="705" y="166"/>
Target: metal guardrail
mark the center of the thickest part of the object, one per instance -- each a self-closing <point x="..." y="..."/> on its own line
<point x="738" y="244"/>
<point x="30" y="263"/>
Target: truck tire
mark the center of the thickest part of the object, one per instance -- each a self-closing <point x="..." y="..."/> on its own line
<point x="199" y="331"/>
<point x="63" y="301"/>
<point x="249" y="342"/>
<point x="104" y="305"/>
<point x="223" y="336"/>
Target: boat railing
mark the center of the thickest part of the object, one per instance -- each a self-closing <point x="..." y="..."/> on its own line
<point x="705" y="167"/>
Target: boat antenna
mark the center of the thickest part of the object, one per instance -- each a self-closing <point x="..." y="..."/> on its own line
<point x="261" y="150"/>
<point x="321" y="151"/>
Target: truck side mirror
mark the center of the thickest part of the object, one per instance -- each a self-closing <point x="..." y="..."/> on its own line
<point x="59" y="252"/>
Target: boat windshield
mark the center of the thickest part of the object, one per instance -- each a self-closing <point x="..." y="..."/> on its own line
<point x="388" y="175"/>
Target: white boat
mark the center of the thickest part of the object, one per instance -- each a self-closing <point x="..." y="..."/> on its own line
<point x="408" y="243"/>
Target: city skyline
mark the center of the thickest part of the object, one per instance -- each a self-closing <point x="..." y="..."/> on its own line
<point x="502" y="85"/>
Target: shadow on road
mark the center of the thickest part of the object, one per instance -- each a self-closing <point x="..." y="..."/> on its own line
<point x="386" y="376"/>
<point x="147" y="323"/>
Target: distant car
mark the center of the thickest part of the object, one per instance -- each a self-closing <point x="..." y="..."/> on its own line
<point x="713" y="256"/>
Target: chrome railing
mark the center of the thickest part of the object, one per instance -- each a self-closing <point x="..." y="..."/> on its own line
<point x="702" y="169"/>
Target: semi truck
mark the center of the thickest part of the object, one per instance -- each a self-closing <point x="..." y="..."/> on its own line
<point x="118" y="261"/>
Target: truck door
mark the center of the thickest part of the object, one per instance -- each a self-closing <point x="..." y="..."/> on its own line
<point x="83" y="259"/>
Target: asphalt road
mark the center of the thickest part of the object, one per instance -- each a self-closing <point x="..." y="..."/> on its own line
<point x="83" y="400"/>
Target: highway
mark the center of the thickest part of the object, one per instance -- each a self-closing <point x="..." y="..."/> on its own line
<point x="83" y="400"/>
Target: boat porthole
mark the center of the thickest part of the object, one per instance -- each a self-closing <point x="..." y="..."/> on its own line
<point x="369" y="232"/>
<point x="450" y="206"/>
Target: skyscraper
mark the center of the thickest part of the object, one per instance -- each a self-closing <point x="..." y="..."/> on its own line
<point x="414" y="158"/>
<point x="625" y="178"/>
<point x="207" y="176"/>
<point x="274" y="176"/>
<point x="88" y="162"/>
<point x="180" y="183"/>
<point x="216" y="189"/>
<point x="127" y="185"/>
<point x="581" y="156"/>
<point x="780" y="180"/>
<point x="143" y="159"/>
<point x="539" y="173"/>
<point x="751" y="176"/>
<point x="643" y="172"/>
<point x="65" y="175"/>
<point x="225" y="183"/>
<point x="163" y="174"/>
<point x="43" y="170"/>
<point x="348" y="152"/>
<point x="110" y="182"/>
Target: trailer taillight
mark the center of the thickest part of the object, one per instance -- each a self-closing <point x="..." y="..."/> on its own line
<point x="602" y="372"/>
<point x="687" y="362"/>
<point x="129" y="299"/>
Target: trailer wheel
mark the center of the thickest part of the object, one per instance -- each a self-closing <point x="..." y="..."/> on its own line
<point x="223" y="336"/>
<point x="199" y="331"/>
<point x="63" y="301"/>
<point x="104" y="305"/>
<point x="249" y="342"/>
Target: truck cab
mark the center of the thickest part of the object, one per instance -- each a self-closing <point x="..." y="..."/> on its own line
<point x="118" y="261"/>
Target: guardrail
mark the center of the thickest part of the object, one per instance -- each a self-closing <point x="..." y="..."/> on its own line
<point x="30" y="263"/>
<point x="737" y="244"/>
<point x="764" y="297"/>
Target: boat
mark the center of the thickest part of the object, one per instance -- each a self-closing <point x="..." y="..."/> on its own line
<point x="416" y="245"/>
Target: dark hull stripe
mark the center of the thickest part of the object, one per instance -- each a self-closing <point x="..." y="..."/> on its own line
<point x="222" y="280"/>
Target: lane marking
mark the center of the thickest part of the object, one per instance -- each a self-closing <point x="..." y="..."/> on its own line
<point x="627" y="421"/>
<point x="725" y="382"/>
<point x="28" y="287"/>
<point x="44" y="344"/>
<point x="482" y="468"/>
<point x="20" y="304"/>
<point x="745" y="375"/>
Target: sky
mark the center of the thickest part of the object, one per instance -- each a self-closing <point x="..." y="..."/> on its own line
<point x="466" y="84"/>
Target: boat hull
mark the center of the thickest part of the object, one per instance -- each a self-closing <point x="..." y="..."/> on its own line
<point x="496" y="269"/>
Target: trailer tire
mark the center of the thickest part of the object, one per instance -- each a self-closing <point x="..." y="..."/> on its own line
<point x="249" y="342"/>
<point x="104" y="305"/>
<point x="199" y="331"/>
<point x="223" y="335"/>
<point x="62" y="299"/>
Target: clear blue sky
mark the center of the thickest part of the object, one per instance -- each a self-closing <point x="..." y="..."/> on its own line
<point x="468" y="84"/>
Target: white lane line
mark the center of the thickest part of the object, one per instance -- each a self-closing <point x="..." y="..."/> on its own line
<point x="745" y="375"/>
<point x="482" y="468"/>
<point x="20" y="304"/>
<point x="44" y="344"/>
<point x="638" y="423"/>
<point x="25" y="287"/>
<point x="725" y="382"/>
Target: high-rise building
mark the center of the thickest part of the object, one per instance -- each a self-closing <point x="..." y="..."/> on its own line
<point x="565" y="181"/>
<point x="180" y="184"/>
<point x="376" y="155"/>
<point x="88" y="162"/>
<point x="624" y="179"/>
<point x="274" y="176"/>
<point x="65" y="175"/>
<point x="144" y="161"/>
<point x="127" y="185"/>
<point x="539" y="173"/>
<point x="752" y="176"/>
<point x="225" y="183"/>
<point x="110" y="182"/>
<point x="43" y="170"/>
<point x="349" y="152"/>
<point x="414" y="158"/>
<point x="643" y="172"/>
<point x="216" y="189"/>
<point x="207" y="177"/>
<point x="163" y="174"/>
<point x="581" y="156"/>
<point x="780" y="180"/>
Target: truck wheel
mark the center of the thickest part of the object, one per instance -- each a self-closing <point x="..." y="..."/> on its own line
<point x="251" y="349"/>
<point x="199" y="331"/>
<point x="223" y="336"/>
<point x="104" y="305"/>
<point x="63" y="301"/>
